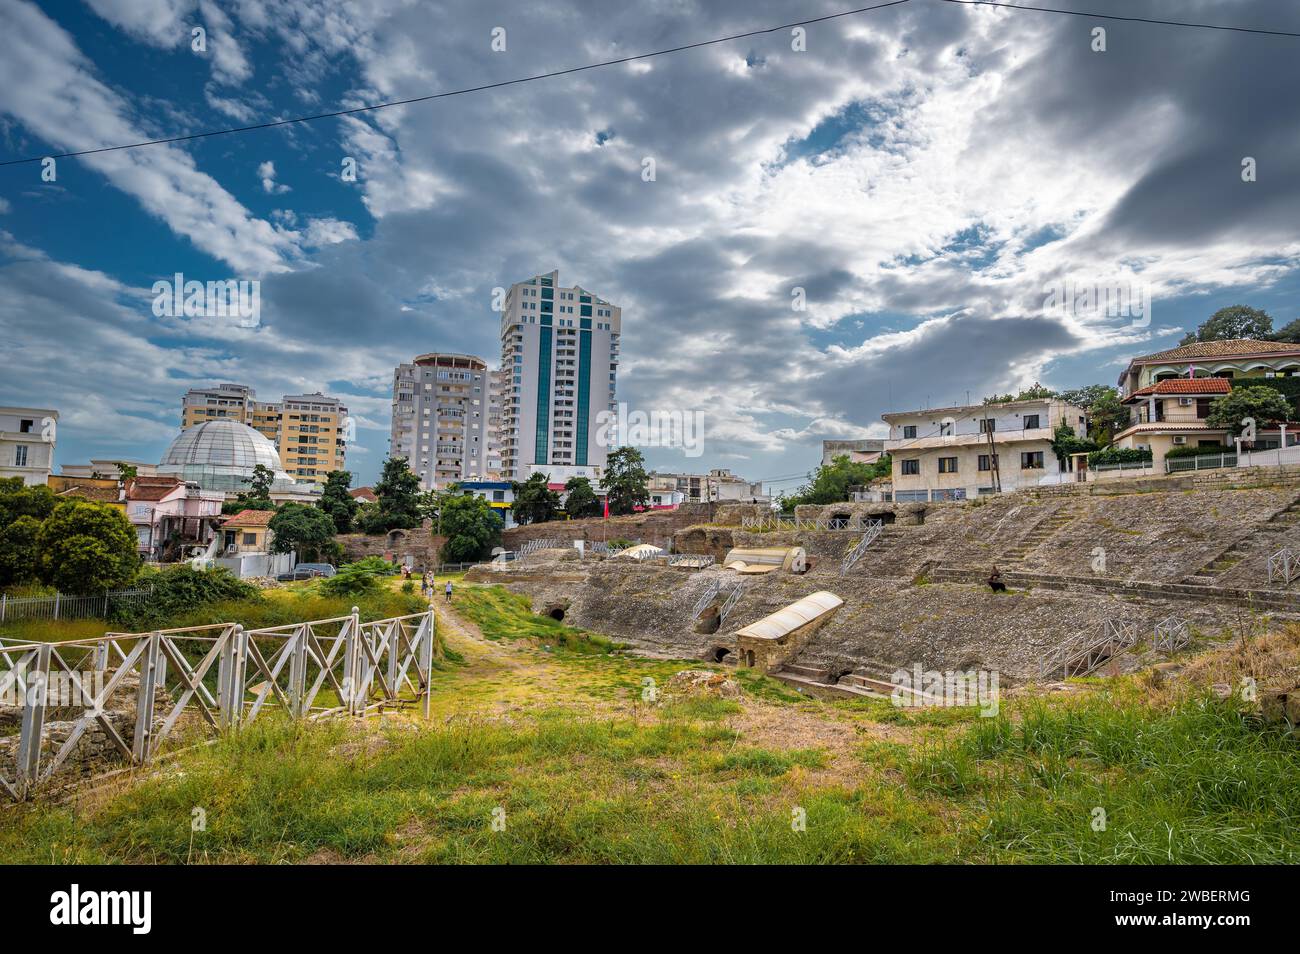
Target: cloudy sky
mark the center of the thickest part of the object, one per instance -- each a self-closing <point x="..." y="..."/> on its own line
<point x="923" y="173"/>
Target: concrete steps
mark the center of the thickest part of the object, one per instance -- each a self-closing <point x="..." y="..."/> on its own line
<point x="1040" y="533"/>
<point x="1284" y="520"/>
<point x="1280" y="600"/>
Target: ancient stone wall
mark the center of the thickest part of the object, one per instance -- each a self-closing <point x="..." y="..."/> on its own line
<point x="420" y="543"/>
<point x="651" y="526"/>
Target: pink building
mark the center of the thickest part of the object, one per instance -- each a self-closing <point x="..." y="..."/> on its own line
<point x="171" y="516"/>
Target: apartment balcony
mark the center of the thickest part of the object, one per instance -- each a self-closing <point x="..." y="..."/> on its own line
<point x="1183" y="415"/>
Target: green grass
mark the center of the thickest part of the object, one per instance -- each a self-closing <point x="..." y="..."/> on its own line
<point x="500" y="614"/>
<point x="1197" y="784"/>
<point x="1201" y="784"/>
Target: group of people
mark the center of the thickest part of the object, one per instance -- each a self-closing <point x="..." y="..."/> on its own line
<point x="427" y="583"/>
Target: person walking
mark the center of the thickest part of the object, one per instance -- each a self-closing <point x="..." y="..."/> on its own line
<point x="448" y="591"/>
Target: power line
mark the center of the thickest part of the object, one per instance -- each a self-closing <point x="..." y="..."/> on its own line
<point x="1113" y="16"/>
<point x="454" y="92"/>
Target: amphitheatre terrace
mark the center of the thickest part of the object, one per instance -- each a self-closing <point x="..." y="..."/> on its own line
<point x="1094" y="574"/>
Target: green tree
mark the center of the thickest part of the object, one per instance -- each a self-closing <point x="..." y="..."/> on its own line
<point x="19" y="500"/>
<point x="1106" y="415"/>
<point x="1066" y="442"/>
<point x="19" y="555"/>
<point x="472" y="529"/>
<point x="581" y="500"/>
<point x="1289" y="333"/>
<point x="398" y="504"/>
<point x="625" y="481"/>
<point x="126" y="471"/>
<point x="1235" y="321"/>
<point x="87" y="548"/>
<point x="304" y="530"/>
<point x="260" y="483"/>
<point x="337" y="502"/>
<point x="831" y="482"/>
<point x="1265" y="405"/>
<point x="535" y="502"/>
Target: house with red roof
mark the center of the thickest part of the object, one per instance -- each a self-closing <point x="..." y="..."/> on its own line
<point x="1170" y="394"/>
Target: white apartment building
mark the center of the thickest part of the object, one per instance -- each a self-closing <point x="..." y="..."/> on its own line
<point x="559" y="365"/>
<point x="441" y="408"/>
<point x="954" y="453"/>
<point x="27" y="438"/>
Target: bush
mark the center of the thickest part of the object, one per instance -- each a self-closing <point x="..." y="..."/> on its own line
<point x="357" y="579"/>
<point x="1189" y="451"/>
<point x="1119" y="455"/>
<point x="181" y="590"/>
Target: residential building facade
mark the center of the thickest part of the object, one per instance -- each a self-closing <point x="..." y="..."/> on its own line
<point x="559" y="367"/>
<point x="719" y="484"/>
<point x="309" y="431"/>
<point x="956" y="453"/>
<point x="27" y="440"/>
<point x="441" y="409"/>
<point x="1231" y="360"/>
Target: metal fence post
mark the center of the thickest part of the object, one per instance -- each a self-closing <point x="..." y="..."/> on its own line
<point x="4" y="604"/>
<point x="144" y="701"/>
<point x="225" y="675"/>
<point x="56" y="604"/>
<point x="33" y="727"/>
<point x="360" y="681"/>
<point x="298" y="672"/>
<point x="426" y="659"/>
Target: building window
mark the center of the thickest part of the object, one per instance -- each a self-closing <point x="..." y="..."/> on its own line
<point x="947" y="465"/>
<point x="988" y="424"/>
<point x="986" y="461"/>
<point x="945" y="428"/>
<point x="1031" y="460"/>
<point x="1031" y="424"/>
<point x="250" y="539"/>
<point x="20" y="455"/>
<point x="909" y="432"/>
<point x="910" y="468"/>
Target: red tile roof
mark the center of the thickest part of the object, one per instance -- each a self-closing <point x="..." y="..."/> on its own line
<point x="150" y="488"/>
<point x="363" y="493"/>
<point x="250" y="518"/>
<point x="1185" y="386"/>
<point x="1232" y="348"/>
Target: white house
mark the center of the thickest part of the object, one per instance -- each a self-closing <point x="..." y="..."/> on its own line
<point x="27" y="438"/>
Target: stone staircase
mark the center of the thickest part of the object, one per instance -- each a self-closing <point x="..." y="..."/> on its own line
<point x="1040" y="533"/>
<point x="1281" y="522"/>
<point x="1279" y="600"/>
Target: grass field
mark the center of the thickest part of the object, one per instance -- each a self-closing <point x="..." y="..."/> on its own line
<point x="545" y="745"/>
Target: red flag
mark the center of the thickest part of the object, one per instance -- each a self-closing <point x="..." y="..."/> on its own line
<point x="606" y="508"/>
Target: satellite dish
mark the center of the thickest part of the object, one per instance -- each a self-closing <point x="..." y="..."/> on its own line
<point x="497" y="551"/>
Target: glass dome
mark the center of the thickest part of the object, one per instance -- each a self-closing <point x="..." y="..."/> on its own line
<point x="221" y="455"/>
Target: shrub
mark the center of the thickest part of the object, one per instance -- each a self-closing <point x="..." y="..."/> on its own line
<point x="1189" y="451"/>
<point x="357" y="579"/>
<point x="1119" y="455"/>
<point x="181" y="590"/>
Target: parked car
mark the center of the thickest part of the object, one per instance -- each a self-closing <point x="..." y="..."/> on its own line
<point x="307" y="571"/>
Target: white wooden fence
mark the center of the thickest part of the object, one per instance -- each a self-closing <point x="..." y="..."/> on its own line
<point x="222" y="676"/>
